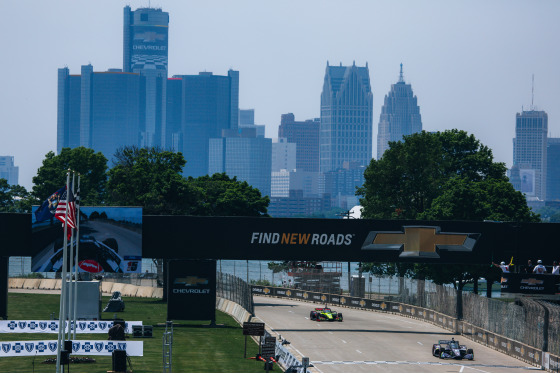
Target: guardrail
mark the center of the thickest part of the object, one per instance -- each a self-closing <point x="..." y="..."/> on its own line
<point x="500" y="343"/>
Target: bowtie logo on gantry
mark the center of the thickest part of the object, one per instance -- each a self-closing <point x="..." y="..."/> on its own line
<point x="420" y="241"/>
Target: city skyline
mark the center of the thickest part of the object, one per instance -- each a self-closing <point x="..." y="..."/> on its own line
<point x="470" y="62"/>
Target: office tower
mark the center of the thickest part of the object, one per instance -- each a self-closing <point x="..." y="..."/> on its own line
<point x="8" y="170"/>
<point x="311" y="183"/>
<point x="100" y="110"/>
<point x="145" y="51"/>
<point x="246" y="117"/>
<point x="298" y="205"/>
<point x="247" y="120"/>
<point x="346" y="117"/>
<point x="530" y="152"/>
<point x="400" y="115"/>
<point x="553" y="169"/>
<point x="341" y="184"/>
<point x="241" y="153"/>
<point x="283" y="155"/>
<point x="305" y="134"/>
<point x="200" y="107"/>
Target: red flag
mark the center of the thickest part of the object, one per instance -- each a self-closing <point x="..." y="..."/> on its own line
<point x="60" y="214"/>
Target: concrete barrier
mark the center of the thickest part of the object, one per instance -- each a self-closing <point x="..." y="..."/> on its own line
<point x="233" y="309"/>
<point x="47" y="284"/>
<point x="118" y="287"/>
<point x="106" y="287"/>
<point x="17" y="282"/>
<point x="145" y="291"/>
<point x="31" y="283"/>
<point x="158" y="293"/>
<point x="129" y="290"/>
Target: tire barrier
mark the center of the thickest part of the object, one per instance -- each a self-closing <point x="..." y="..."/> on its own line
<point x="500" y="343"/>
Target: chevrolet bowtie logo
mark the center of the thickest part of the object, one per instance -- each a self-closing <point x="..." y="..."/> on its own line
<point x="420" y="241"/>
<point x="532" y="281"/>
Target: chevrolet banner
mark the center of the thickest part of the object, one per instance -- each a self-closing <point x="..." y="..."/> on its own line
<point x="79" y="347"/>
<point x="51" y="326"/>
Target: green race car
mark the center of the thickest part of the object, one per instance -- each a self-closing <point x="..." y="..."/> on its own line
<point x="325" y="314"/>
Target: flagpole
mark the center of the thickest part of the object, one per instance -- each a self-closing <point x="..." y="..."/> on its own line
<point x="71" y="285"/>
<point x="77" y="252"/>
<point x="62" y="313"/>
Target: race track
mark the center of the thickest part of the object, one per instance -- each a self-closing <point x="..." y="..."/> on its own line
<point x="373" y="342"/>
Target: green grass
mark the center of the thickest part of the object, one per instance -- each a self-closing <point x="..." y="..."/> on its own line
<point x="197" y="347"/>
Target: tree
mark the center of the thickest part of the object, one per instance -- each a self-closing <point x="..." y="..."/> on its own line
<point x="489" y="199"/>
<point x="151" y="178"/>
<point x="446" y="175"/>
<point x="225" y="196"/>
<point x="13" y="198"/>
<point x="412" y="173"/>
<point x="91" y="166"/>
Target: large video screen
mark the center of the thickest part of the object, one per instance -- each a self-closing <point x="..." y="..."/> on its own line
<point x="110" y="241"/>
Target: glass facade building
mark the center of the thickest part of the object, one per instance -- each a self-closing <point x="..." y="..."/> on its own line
<point x="530" y="152"/>
<point x="243" y="155"/>
<point x="100" y="110"/>
<point x="8" y="170"/>
<point x="200" y="107"/>
<point x="305" y="134"/>
<point x="346" y="117"/>
<point x="400" y="115"/>
<point x="145" y="51"/>
<point x="553" y="170"/>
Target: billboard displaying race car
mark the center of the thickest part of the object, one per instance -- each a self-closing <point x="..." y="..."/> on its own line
<point x="110" y="241"/>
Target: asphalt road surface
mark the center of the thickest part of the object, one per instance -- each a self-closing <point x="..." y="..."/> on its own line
<point x="374" y="342"/>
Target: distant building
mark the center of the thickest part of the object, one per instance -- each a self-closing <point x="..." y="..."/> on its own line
<point x="283" y="155"/>
<point x="145" y="51"/>
<point x="100" y="110"/>
<point x="346" y="117"/>
<point x="247" y="120"/>
<point x="553" y="170"/>
<point x="400" y="115"/>
<point x="8" y="170"/>
<point x="199" y="107"/>
<point x="305" y="134"/>
<point x="530" y="153"/>
<point x="240" y="153"/>
<point x="309" y="182"/>
<point x="341" y="185"/>
<point x="298" y="205"/>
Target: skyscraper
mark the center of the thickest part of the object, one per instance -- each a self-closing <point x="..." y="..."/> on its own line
<point x="8" y="170"/>
<point x="346" y="117"/>
<point x="145" y="51"/>
<point x="247" y="120"/>
<point x="100" y="110"/>
<point x="530" y="152"/>
<point x="241" y="153"/>
<point x="553" y="169"/>
<point x="283" y="155"/>
<point x="200" y="107"/>
<point x="305" y="134"/>
<point x="400" y="115"/>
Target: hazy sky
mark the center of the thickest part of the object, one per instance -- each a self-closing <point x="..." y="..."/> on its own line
<point x="469" y="62"/>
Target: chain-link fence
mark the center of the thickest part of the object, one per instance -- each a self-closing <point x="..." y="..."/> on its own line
<point x="531" y="321"/>
<point x="235" y="289"/>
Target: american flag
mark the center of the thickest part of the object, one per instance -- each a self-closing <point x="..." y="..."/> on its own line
<point x="60" y="213"/>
